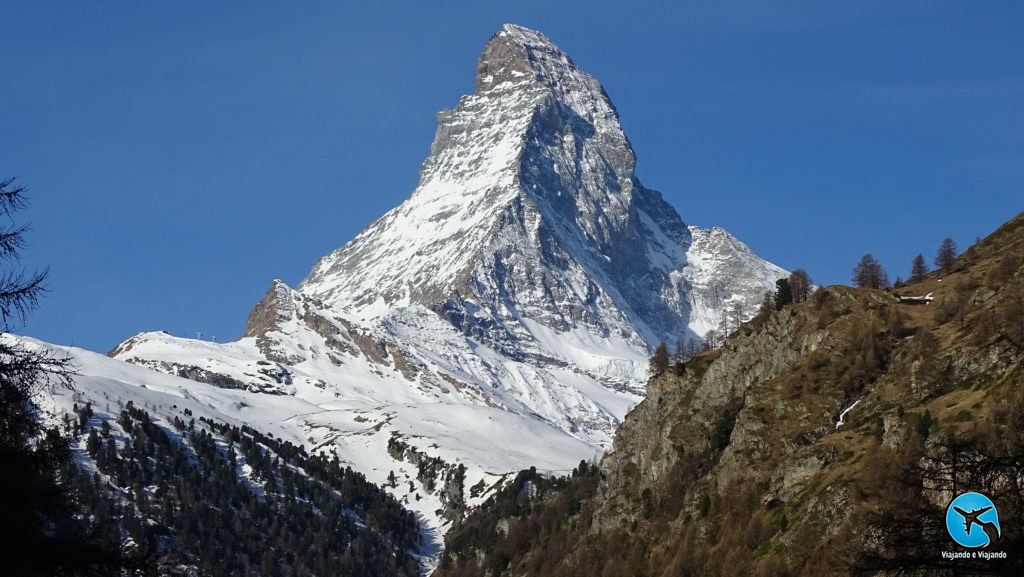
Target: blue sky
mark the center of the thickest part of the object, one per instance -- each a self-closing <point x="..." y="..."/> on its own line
<point x="181" y="155"/>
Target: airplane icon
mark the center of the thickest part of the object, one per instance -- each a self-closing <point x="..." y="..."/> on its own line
<point x="971" y="518"/>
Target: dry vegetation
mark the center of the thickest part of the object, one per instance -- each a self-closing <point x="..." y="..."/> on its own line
<point x="941" y="409"/>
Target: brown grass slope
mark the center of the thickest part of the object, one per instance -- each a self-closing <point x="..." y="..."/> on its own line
<point x="736" y="464"/>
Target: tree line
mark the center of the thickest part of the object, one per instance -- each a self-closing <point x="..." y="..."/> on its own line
<point x="869" y="273"/>
<point x="796" y="288"/>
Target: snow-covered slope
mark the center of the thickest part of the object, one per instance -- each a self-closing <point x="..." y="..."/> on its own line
<point x="357" y="430"/>
<point x="407" y="357"/>
<point x="721" y="270"/>
<point x="500" y="317"/>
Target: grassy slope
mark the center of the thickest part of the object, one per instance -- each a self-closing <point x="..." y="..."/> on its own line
<point x="736" y="466"/>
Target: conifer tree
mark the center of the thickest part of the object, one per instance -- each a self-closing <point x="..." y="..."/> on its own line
<point x="869" y="273"/>
<point x="946" y="256"/>
<point x="783" y="293"/>
<point x="711" y="340"/>
<point x="47" y="539"/>
<point x="660" y="360"/>
<point x="918" y="269"/>
<point x="682" y="354"/>
<point x="736" y="315"/>
<point x="800" y="285"/>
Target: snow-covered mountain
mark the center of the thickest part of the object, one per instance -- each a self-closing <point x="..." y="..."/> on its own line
<point x="528" y="211"/>
<point x="500" y="317"/>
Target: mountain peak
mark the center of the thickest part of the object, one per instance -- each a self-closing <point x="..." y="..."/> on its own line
<point x="528" y="208"/>
<point x="522" y="33"/>
<point x="514" y="54"/>
<point x="519" y="59"/>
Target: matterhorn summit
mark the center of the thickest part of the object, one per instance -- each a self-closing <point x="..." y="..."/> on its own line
<point x="500" y="318"/>
<point x="529" y="213"/>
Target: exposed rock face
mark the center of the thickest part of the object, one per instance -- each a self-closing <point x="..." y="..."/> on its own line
<point x="446" y="480"/>
<point x="269" y="316"/>
<point x="724" y="393"/>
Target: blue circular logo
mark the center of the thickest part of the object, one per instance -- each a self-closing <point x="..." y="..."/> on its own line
<point x="972" y="520"/>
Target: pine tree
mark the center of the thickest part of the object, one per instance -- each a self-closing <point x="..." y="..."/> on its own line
<point x="783" y="293"/>
<point x="946" y="256"/>
<point x="682" y="354"/>
<point x="723" y="327"/>
<point x="48" y="539"/>
<point x="660" y="360"/>
<point x="736" y="314"/>
<point x="869" y="274"/>
<point x="800" y="283"/>
<point x="918" y="269"/>
<point x="93" y="443"/>
<point x="694" y="347"/>
<point x="711" y="340"/>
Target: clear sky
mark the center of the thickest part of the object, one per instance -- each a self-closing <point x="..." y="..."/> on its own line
<point x="180" y="155"/>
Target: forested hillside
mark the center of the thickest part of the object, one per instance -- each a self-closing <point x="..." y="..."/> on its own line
<point x="196" y="497"/>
